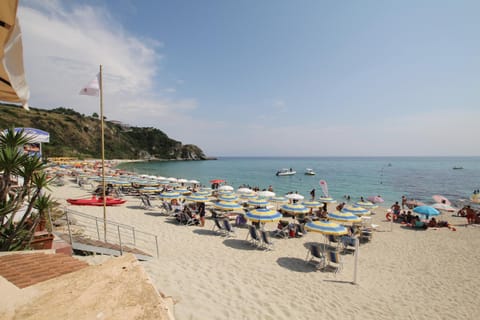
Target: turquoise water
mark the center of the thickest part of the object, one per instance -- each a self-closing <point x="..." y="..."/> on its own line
<point x="390" y="177"/>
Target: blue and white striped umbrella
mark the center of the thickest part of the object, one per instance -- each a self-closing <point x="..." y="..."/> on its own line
<point x="294" y="208"/>
<point x="196" y="198"/>
<point x="326" y="227"/>
<point x="359" y="211"/>
<point x="279" y="199"/>
<point x="227" y="205"/>
<point x="203" y="193"/>
<point x="258" y="202"/>
<point x="228" y="197"/>
<point x="343" y="217"/>
<point x="327" y="200"/>
<point x="263" y="215"/>
<point x="170" y="195"/>
<point x="251" y="195"/>
<point x="182" y="190"/>
<point x="312" y="204"/>
<point x="365" y="204"/>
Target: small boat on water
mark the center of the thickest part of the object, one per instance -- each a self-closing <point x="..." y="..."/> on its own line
<point x="457" y="168"/>
<point x="286" y="172"/>
<point x="94" y="201"/>
<point x="309" y="172"/>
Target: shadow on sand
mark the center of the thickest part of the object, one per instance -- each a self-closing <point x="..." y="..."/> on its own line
<point x="206" y="232"/>
<point x="295" y="264"/>
<point x="239" y="244"/>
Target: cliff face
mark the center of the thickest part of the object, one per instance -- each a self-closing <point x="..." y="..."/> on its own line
<point x="75" y="135"/>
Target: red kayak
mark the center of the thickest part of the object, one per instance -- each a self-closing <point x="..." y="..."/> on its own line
<point x="94" y="201"/>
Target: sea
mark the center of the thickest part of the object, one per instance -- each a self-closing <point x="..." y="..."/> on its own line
<point x="417" y="178"/>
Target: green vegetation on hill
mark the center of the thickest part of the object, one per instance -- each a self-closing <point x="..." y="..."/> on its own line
<point x="75" y="135"/>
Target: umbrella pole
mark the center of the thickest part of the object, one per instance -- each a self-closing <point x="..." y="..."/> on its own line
<point x="357" y="240"/>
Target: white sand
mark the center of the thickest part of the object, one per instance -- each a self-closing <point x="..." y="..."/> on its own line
<point x="404" y="274"/>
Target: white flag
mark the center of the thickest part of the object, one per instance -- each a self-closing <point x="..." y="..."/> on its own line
<point x="92" y="88"/>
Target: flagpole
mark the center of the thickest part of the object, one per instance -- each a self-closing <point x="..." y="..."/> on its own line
<point x="103" y="158"/>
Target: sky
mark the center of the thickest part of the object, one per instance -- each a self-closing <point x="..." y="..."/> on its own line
<point x="267" y="78"/>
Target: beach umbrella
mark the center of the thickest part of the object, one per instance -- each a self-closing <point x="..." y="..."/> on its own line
<point x="225" y="188"/>
<point x="294" y="196"/>
<point x="217" y="181"/>
<point x="294" y="208"/>
<point x="365" y="204"/>
<point x="263" y="215"/>
<point x="182" y="190"/>
<point x="312" y="204"/>
<point x="252" y="195"/>
<point x="376" y="199"/>
<point x="170" y="195"/>
<point x="441" y="199"/>
<point x="227" y="205"/>
<point x="172" y="179"/>
<point x="266" y="194"/>
<point x="193" y="181"/>
<point x="359" y="211"/>
<point x="182" y="180"/>
<point x="326" y="227"/>
<point x="259" y="202"/>
<point x="327" y="200"/>
<point x="279" y="200"/>
<point x="149" y="190"/>
<point x="203" y="193"/>
<point x="228" y="197"/>
<point x="343" y="217"/>
<point x="244" y="191"/>
<point x="426" y="210"/>
<point x="196" y="198"/>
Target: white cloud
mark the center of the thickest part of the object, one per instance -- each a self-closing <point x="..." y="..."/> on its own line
<point x="63" y="48"/>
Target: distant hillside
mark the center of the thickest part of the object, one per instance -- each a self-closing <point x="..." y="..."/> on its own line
<point x="75" y="135"/>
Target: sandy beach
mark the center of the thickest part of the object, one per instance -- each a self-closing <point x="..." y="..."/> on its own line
<point x="402" y="274"/>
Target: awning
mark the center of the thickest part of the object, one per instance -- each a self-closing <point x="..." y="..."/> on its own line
<point x="13" y="85"/>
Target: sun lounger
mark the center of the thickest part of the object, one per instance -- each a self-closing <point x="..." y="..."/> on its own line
<point x="315" y="257"/>
<point x="266" y="241"/>
<point x="334" y="260"/>
<point x="254" y="236"/>
<point x="229" y="231"/>
<point x="218" y="226"/>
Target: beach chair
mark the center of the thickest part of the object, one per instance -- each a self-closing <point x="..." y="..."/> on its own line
<point x="347" y="241"/>
<point x="145" y="202"/>
<point x="229" y="231"/>
<point x="314" y="252"/>
<point x="334" y="261"/>
<point x="253" y="234"/>
<point x="267" y="243"/>
<point x="282" y="232"/>
<point x="217" y="226"/>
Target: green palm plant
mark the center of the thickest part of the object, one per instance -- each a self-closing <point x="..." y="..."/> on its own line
<point x="17" y="217"/>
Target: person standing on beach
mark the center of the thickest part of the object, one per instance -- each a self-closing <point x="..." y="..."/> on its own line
<point x="201" y="213"/>
<point x="396" y="208"/>
<point x="312" y="193"/>
<point x="404" y="202"/>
